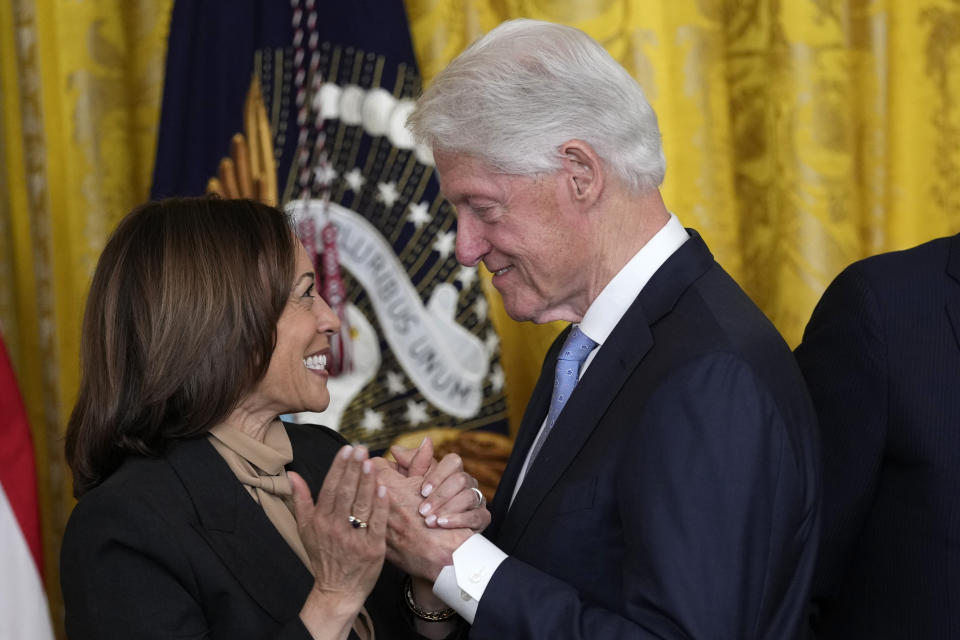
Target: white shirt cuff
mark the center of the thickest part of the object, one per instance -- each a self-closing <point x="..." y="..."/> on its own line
<point x="461" y="585"/>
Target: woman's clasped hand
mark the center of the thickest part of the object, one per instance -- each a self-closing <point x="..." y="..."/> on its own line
<point x="344" y="532"/>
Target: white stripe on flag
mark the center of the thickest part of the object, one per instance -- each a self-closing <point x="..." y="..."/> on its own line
<point x="23" y="604"/>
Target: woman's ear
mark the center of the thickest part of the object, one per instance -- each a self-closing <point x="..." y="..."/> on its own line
<point x="584" y="171"/>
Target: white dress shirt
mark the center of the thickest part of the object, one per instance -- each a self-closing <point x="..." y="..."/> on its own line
<point x="461" y="585"/>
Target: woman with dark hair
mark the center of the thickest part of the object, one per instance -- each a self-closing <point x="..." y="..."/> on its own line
<point x="201" y="328"/>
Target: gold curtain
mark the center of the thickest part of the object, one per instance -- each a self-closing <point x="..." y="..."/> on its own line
<point x="80" y="86"/>
<point x="800" y="135"/>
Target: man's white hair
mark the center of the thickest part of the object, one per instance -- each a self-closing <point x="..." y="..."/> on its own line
<point x="522" y="90"/>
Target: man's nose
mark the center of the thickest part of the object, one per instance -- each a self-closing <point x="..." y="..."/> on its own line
<point x="471" y="244"/>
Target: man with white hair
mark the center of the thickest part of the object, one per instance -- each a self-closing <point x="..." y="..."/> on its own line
<point x="664" y="482"/>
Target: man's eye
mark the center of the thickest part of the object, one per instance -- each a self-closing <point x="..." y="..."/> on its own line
<point x="481" y="210"/>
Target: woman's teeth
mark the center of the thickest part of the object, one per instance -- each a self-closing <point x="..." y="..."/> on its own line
<point x="317" y="362"/>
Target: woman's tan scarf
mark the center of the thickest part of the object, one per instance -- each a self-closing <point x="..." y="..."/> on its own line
<point x="260" y="467"/>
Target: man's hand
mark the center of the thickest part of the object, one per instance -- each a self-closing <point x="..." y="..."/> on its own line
<point x="414" y="462"/>
<point x="412" y="545"/>
<point x="451" y="498"/>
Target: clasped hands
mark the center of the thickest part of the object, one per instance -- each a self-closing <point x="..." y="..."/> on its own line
<point x="417" y="511"/>
<point x="434" y="508"/>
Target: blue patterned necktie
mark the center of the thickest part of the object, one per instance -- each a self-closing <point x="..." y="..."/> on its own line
<point x="574" y="353"/>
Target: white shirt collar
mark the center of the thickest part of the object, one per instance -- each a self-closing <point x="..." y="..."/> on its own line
<point x="609" y="307"/>
<point x="606" y="311"/>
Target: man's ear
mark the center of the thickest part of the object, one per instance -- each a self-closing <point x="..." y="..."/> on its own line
<point x="583" y="171"/>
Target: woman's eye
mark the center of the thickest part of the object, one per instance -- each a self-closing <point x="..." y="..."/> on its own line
<point x="308" y="293"/>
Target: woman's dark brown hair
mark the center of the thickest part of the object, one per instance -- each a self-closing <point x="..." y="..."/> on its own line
<point x="180" y="324"/>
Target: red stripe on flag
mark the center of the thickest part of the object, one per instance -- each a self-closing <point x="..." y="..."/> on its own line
<point x="17" y="468"/>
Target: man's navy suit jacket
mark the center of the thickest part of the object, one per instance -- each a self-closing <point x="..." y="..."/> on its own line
<point x="678" y="494"/>
<point x="881" y="355"/>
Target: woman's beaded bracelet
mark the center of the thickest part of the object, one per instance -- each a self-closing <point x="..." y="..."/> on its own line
<point x="430" y="616"/>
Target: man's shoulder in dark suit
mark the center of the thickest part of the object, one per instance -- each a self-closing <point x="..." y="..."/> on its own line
<point x="881" y="356"/>
<point x="689" y="508"/>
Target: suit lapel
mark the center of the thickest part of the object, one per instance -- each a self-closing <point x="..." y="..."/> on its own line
<point x="239" y="532"/>
<point x="616" y="360"/>
<point x="532" y="419"/>
<point x="953" y="295"/>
